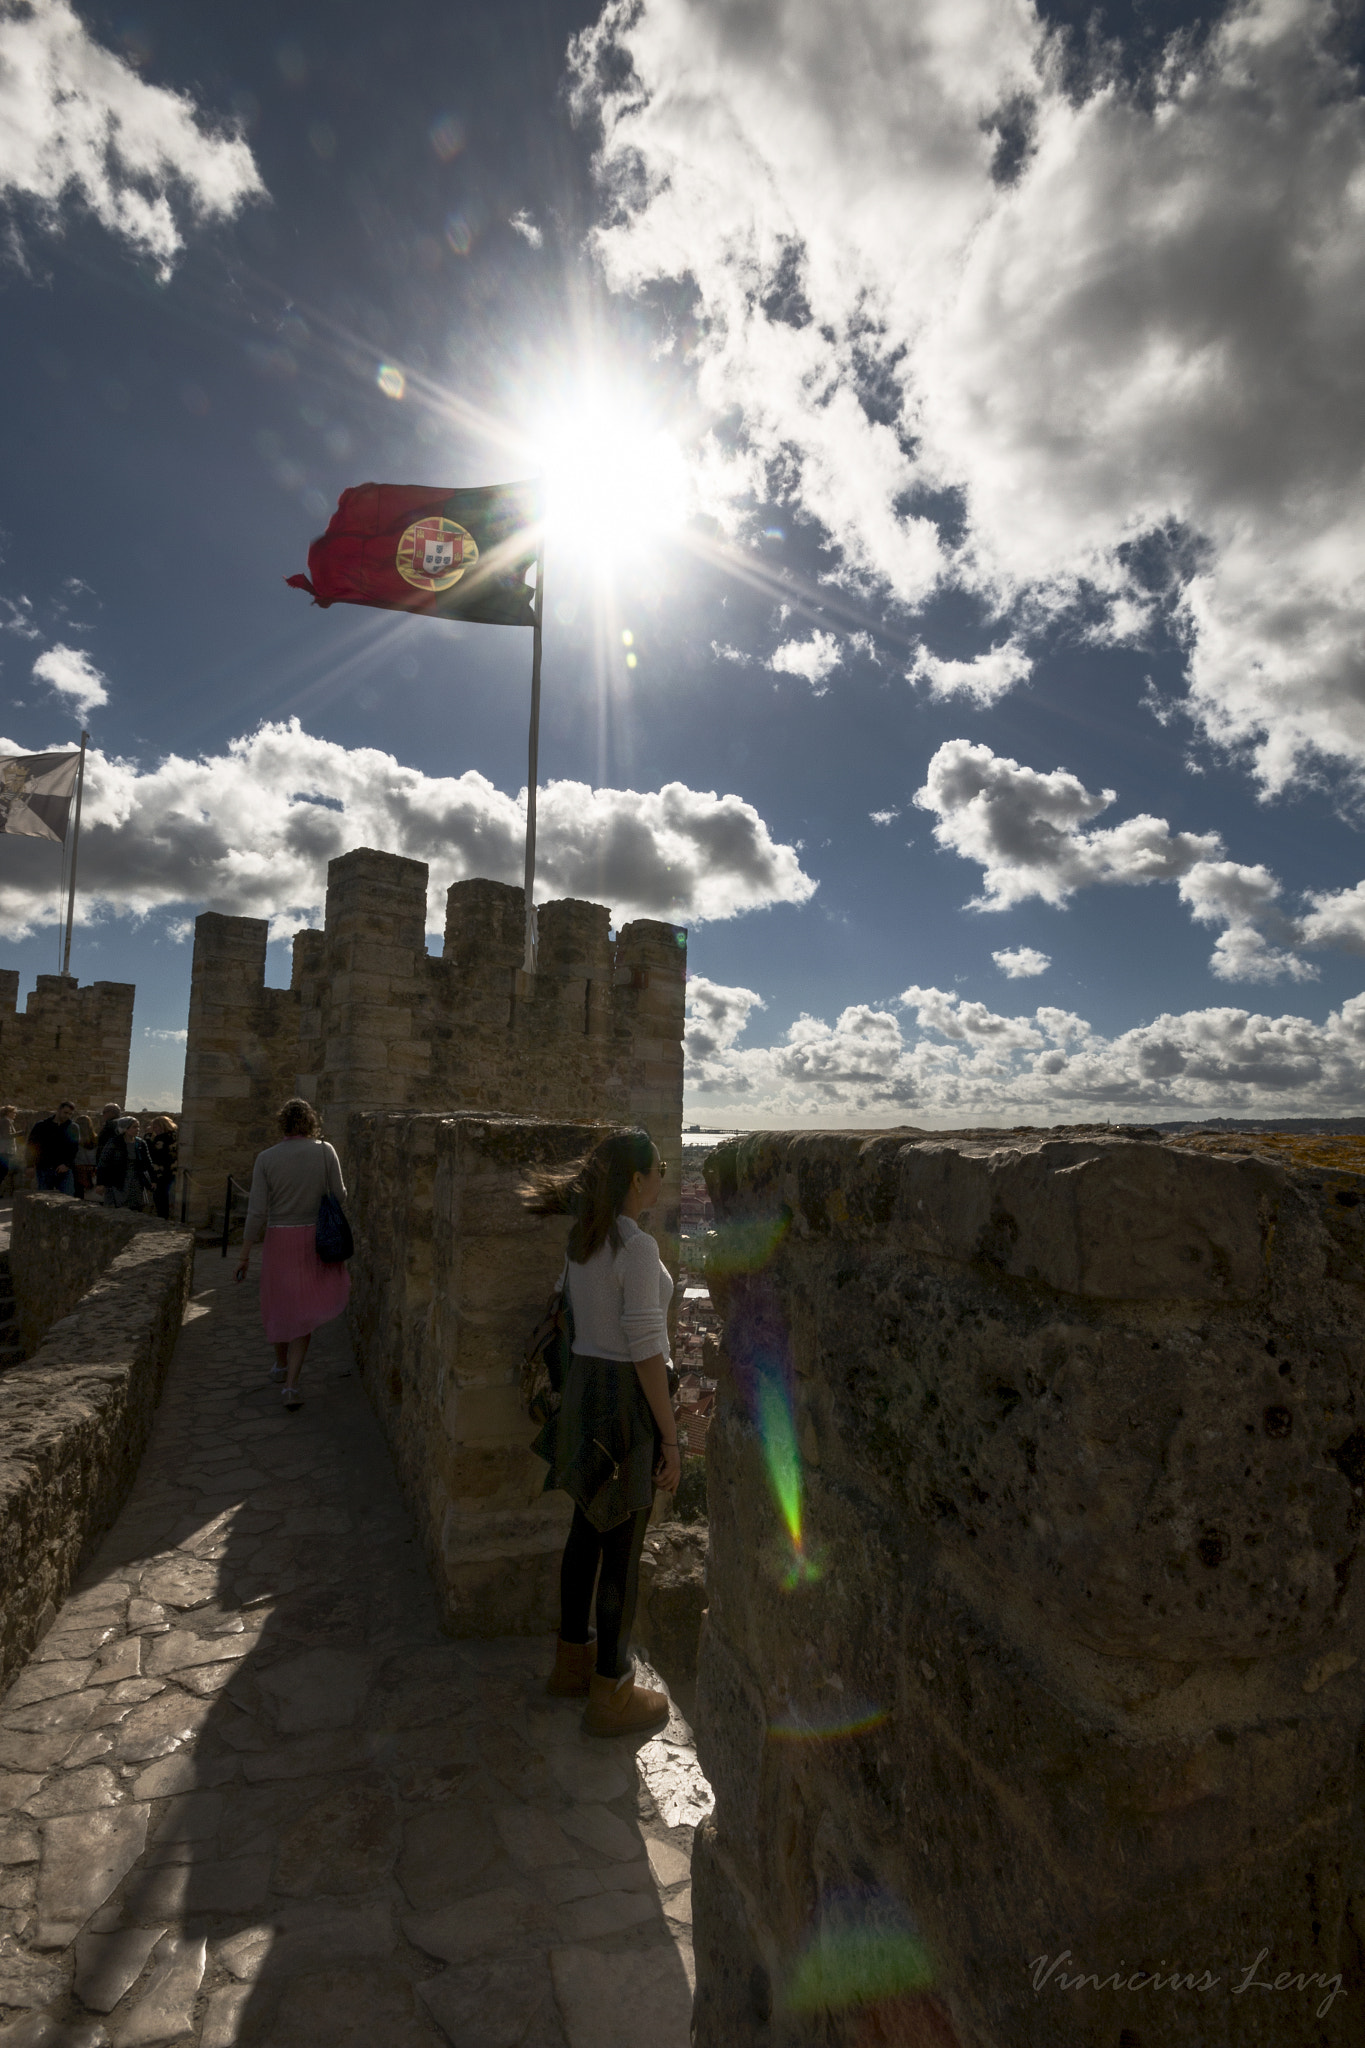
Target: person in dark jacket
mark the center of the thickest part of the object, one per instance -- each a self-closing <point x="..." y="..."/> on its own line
<point x="141" y="1177"/>
<point x="109" y="1118"/>
<point x="53" y="1144"/>
<point x="111" y="1160"/>
<point x="163" y="1150"/>
<point x="113" y="1157"/>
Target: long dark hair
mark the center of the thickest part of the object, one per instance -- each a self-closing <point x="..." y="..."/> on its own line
<point x="591" y="1190"/>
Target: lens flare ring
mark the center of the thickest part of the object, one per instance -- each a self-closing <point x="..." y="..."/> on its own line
<point x="857" y="1718"/>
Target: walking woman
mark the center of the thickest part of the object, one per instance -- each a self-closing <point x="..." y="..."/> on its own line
<point x="298" y="1289"/>
<point x="615" y="1437"/>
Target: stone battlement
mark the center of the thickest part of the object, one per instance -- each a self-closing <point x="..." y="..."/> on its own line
<point x="372" y="1022"/>
<point x="67" y="1041"/>
<point x="1036" y="1487"/>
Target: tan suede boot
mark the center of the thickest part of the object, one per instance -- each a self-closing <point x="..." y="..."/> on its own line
<point x="573" y="1669"/>
<point x="618" y="1706"/>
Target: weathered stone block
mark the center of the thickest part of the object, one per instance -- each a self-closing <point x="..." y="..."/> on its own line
<point x="673" y="1598"/>
<point x="75" y="1417"/>
<point x="1036" y="1488"/>
<point x="487" y="1415"/>
<point x="58" y="1249"/>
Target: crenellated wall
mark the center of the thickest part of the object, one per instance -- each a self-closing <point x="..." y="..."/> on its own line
<point x="371" y="1022"/>
<point x="68" y="1041"/>
<point x="1034" y="1667"/>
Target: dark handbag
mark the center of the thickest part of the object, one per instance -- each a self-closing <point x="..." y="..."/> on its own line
<point x="333" y="1239"/>
<point x="545" y="1362"/>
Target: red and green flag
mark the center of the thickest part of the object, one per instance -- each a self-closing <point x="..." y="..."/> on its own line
<point x="447" y="554"/>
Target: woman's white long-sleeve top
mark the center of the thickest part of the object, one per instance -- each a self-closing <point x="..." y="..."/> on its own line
<point x="620" y="1298"/>
<point x="289" y="1181"/>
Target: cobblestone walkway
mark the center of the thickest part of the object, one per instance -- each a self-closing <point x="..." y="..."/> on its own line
<point x="250" y="1793"/>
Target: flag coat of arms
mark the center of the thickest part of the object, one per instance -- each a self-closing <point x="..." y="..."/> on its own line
<point x="36" y="792"/>
<point x="413" y="548"/>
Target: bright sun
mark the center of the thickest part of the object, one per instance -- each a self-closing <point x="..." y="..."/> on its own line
<point x="616" y="481"/>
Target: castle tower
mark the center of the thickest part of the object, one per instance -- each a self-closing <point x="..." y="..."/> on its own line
<point x="69" y="1041"/>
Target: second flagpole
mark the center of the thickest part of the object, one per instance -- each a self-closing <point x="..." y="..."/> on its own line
<point x="532" y="765"/>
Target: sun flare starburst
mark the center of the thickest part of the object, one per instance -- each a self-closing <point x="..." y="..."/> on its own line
<point x="616" y="481"/>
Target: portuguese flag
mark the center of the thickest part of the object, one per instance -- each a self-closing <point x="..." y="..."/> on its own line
<point x="411" y="548"/>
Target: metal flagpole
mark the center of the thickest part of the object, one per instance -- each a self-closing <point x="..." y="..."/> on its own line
<point x="533" y="751"/>
<point x="75" y="849"/>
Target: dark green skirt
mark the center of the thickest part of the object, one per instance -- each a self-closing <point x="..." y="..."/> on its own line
<point x="603" y="1403"/>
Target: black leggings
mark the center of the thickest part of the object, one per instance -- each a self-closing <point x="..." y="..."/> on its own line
<point x="618" y="1552"/>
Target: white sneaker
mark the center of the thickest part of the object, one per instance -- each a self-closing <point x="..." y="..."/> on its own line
<point x="292" y="1397"/>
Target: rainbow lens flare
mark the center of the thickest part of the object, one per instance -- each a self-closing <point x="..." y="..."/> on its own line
<point x="855" y="1717"/>
<point x="853" y="1965"/>
<point x="777" y="1433"/>
<point x="746" y="1244"/>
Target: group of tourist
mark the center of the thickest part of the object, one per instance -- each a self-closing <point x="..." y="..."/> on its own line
<point x="114" y="1163"/>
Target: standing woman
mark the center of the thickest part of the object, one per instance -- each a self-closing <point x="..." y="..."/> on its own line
<point x="84" y="1167"/>
<point x="163" y="1148"/>
<point x="9" y="1147"/>
<point x="138" y="1184"/>
<point x="615" y="1436"/>
<point x="298" y="1289"/>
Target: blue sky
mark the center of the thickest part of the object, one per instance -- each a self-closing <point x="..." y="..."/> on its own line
<point x="949" y="402"/>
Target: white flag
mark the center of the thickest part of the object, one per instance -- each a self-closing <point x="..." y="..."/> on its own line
<point x="36" y="792"/>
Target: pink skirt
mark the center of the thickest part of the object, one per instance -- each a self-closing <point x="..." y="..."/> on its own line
<point x="298" y="1290"/>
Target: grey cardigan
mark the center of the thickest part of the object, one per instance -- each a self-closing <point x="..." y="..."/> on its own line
<point x="289" y="1181"/>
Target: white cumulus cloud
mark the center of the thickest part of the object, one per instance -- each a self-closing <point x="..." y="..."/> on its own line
<point x="72" y="674"/>
<point x="983" y="679"/>
<point x="1246" y="900"/>
<point x="963" y="1063"/>
<point x="816" y="659"/>
<point x="1030" y="831"/>
<point x="251" y="831"/>
<point x="1032" y="835"/>
<point x="1112" y="320"/>
<point x="1020" y="963"/>
<point x="77" y="123"/>
<point x="1336" y="917"/>
<point x="716" y="1015"/>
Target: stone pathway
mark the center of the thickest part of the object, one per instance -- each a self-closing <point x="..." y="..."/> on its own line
<point x="250" y="1793"/>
